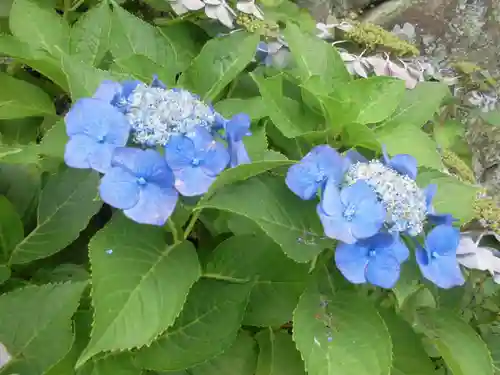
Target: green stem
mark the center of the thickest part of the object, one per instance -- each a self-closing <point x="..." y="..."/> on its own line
<point x="76" y="5"/>
<point x="191" y="224"/>
<point x="216" y="276"/>
<point x="173" y="229"/>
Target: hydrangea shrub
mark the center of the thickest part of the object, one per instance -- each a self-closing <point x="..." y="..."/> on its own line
<point x="177" y="202"/>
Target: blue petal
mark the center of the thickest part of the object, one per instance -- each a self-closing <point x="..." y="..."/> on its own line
<point x="430" y="191"/>
<point x="107" y="91"/>
<point x="119" y="188"/>
<point x="100" y="157"/>
<point x="443" y="271"/>
<point x="352" y="260"/>
<point x="355" y="157"/>
<point x="329" y="161"/>
<point x="238" y="154"/>
<point x="404" y="164"/>
<point x="99" y="120"/>
<point x="238" y="127"/>
<point x="148" y="164"/>
<point x="331" y="203"/>
<point x="443" y="240"/>
<point x="128" y="87"/>
<point x="179" y="152"/>
<point x="303" y="180"/>
<point x="77" y="151"/>
<point x="155" y="205"/>
<point x="383" y="270"/>
<point x="369" y="218"/>
<point x="357" y="192"/>
<point x="157" y="83"/>
<point x="192" y="181"/>
<point x="335" y="226"/>
<point x="215" y="158"/>
<point x="399" y="249"/>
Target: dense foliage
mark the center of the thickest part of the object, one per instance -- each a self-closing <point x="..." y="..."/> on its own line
<point x="176" y="197"/>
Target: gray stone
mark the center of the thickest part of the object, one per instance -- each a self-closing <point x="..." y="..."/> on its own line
<point x="448" y="30"/>
<point x="321" y="9"/>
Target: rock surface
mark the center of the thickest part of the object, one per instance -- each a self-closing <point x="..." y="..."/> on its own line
<point x="446" y="31"/>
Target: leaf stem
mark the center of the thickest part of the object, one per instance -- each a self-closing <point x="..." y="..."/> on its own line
<point x="76" y="5"/>
<point x="216" y="276"/>
<point x="173" y="229"/>
<point x="191" y="223"/>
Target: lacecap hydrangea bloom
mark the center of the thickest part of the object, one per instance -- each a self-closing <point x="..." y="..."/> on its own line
<point x="370" y="207"/>
<point x="151" y="144"/>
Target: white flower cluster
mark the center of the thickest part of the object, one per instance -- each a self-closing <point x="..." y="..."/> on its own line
<point x="217" y="9"/>
<point x="156" y="114"/>
<point x="404" y="201"/>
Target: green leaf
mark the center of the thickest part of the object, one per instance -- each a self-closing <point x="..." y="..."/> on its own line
<point x="493" y="342"/>
<point x="11" y="228"/>
<point x="67" y="203"/>
<point x="461" y="347"/>
<point x="448" y="133"/>
<point x="219" y="62"/>
<point x="37" y="59"/>
<point x="82" y="79"/>
<point x="278" y="354"/>
<point x="253" y="107"/>
<point x="19" y="154"/>
<point x="372" y="100"/>
<point x="359" y="135"/>
<point x="206" y="327"/>
<point x="418" y="105"/>
<point x="20" y="99"/>
<point x="491" y="117"/>
<point x="240" y="173"/>
<point x="21" y="186"/>
<point x="289" y="116"/>
<point x="118" y="364"/>
<point x="90" y="35"/>
<point x="143" y="68"/>
<point x="40" y="27"/>
<point x="450" y="190"/>
<point x="36" y="327"/>
<point x="360" y="343"/>
<point x="240" y="358"/>
<point x="409" y="356"/>
<point x="132" y="36"/>
<point x="296" y="229"/>
<point x="278" y="280"/>
<point x="315" y="57"/>
<point x="407" y="139"/>
<point x="54" y="140"/>
<point x="139" y="285"/>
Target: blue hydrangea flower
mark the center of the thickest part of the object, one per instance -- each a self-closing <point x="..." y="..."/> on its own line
<point x="352" y="213"/>
<point x="403" y="163"/>
<point x="95" y="128"/>
<point x="375" y="260"/>
<point x="235" y="129"/>
<point x="156" y="114"/>
<point x="402" y="198"/>
<point x="432" y="216"/>
<point x="322" y="163"/>
<point x="438" y="260"/>
<point x="196" y="159"/>
<point x="274" y="54"/>
<point x="141" y="184"/>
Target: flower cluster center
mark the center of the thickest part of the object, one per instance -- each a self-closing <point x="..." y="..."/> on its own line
<point x="404" y="201"/>
<point x="156" y="114"/>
